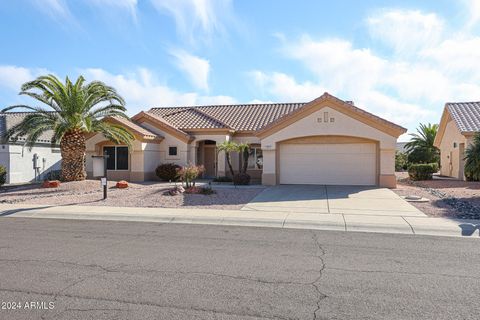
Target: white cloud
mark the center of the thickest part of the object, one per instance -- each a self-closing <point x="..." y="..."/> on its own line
<point x="285" y="87"/>
<point x="128" y="5"/>
<point x="197" y="69"/>
<point x="12" y="77"/>
<point x="473" y="12"/>
<point x="405" y="30"/>
<point x="197" y="19"/>
<point x="142" y="90"/>
<point x="56" y="9"/>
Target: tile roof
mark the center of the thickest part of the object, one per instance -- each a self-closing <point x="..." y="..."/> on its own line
<point x="239" y="117"/>
<point x="10" y="119"/>
<point x="466" y="115"/>
<point x="135" y="127"/>
<point x="194" y="118"/>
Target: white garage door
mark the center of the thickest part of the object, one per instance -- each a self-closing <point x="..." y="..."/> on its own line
<point x="332" y="164"/>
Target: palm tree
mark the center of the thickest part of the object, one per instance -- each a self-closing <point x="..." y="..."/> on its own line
<point x="243" y="149"/>
<point x="228" y="147"/>
<point x="73" y="110"/>
<point x="472" y="159"/>
<point x="421" y="148"/>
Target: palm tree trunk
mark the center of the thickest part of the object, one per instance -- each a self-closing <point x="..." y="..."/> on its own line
<point x="245" y="155"/>
<point x="73" y="149"/>
<point x="229" y="162"/>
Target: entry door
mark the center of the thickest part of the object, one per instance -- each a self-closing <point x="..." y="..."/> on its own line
<point x="209" y="161"/>
<point x="331" y="164"/>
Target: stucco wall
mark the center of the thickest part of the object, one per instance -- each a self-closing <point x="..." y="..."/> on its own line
<point x="343" y="125"/>
<point x="20" y="162"/>
<point x="170" y="141"/>
<point x="450" y="158"/>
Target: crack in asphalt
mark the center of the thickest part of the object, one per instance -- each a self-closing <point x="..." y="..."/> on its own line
<point x="314" y="283"/>
<point x="151" y="304"/>
<point x="407" y="273"/>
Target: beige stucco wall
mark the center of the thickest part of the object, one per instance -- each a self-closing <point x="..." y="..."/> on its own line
<point x="451" y="158"/>
<point x="343" y="125"/>
<point x="183" y="152"/>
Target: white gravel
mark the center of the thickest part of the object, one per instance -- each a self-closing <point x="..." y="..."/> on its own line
<point x="148" y="194"/>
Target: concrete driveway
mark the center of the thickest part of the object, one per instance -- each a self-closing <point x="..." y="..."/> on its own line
<point x="349" y="200"/>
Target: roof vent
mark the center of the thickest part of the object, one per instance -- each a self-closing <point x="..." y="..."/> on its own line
<point x="350" y="102"/>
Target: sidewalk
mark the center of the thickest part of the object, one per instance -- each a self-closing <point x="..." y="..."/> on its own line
<point x="274" y="219"/>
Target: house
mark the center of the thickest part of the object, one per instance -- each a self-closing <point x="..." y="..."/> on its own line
<point x="459" y="122"/>
<point x="324" y="141"/>
<point x="22" y="164"/>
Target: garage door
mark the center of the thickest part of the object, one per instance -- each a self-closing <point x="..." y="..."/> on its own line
<point x="333" y="164"/>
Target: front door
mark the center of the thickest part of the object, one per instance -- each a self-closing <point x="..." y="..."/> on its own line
<point x="209" y="161"/>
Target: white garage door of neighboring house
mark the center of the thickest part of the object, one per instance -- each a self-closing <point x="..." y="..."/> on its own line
<point x="332" y="164"/>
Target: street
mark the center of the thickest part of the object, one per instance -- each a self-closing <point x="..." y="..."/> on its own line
<point x="75" y="269"/>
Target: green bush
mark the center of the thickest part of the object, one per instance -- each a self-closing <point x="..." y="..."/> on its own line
<point x="168" y="172"/>
<point x="401" y="161"/>
<point x="421" y="171"/>
<point x="222" y="179"/>
<point x="241" y="179"/>
<point x="435" y="166"/>
<point x="3" y="175"/>
<point x="472" y="159"/>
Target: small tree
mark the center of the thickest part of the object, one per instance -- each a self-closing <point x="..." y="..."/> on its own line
<point x="189" y="174"/>
<point x="472" y="160"/>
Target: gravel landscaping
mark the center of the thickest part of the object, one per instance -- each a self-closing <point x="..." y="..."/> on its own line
<point x="149" y="194"/>
<point x="448" y="197"/>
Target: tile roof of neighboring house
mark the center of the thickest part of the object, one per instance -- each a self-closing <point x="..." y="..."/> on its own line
<point x="466" y="115"/>
<point x="10" y="119"/>
<point x="240" y="117"/>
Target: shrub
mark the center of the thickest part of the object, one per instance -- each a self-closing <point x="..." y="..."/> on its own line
<point x="435" y="166"/>
<point x="401" y="161"/>
<point x="222" y="179"/>
<point x="3" y="175"/>
<point x="241" y="179"/>
<point x="190" y="173"/>
<point x="421" y="171"/>
<point x="168" y="171"/>
<point x="472" y="159"/>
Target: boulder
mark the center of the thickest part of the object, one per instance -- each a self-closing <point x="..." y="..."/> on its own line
<point x="51" y="184"/>
<point x="122" y="184"/>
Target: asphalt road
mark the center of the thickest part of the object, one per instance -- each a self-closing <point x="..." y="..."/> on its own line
<point x="127" y="270"/>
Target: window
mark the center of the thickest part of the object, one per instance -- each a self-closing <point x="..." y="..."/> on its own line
<point x="117" y="157"/>
<point x="172" y="151"/>
<point x="255" y="159"/>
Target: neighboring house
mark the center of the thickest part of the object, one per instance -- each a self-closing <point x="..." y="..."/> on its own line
<point x="22" y="164"/>
<point x="325" y="141"/>
<point x="460" y="121"/>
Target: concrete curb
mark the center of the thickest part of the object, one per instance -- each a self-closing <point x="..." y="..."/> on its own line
<point x="275" y="219"/>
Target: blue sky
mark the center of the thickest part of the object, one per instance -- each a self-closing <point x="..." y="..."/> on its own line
<point x="401" y="60"/>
